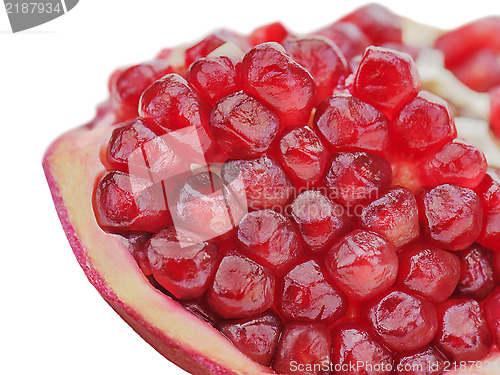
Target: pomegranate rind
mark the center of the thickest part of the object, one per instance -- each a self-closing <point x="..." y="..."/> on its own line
<point x="72" y="166"/>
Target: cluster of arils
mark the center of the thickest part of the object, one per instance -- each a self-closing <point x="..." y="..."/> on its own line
<point x="307" y="198"/>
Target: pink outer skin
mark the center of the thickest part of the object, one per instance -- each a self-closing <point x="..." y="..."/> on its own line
<point x="186" y="356"/>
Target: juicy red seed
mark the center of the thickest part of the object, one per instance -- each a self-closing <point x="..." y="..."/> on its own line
<point x="273" y="32"/>
<point x="303" y="156"/>
<point x="492" y="309"/>
<point x="123" y="202"/>
<point x="275" y="78"/>
<point x="322" y="59"/>
<point x="357" y="351"/>
<point x="347" y="123"/>
<point x="481" y="71"/>
<point x="451" y="216"/>
<point x="261" y="181"/>
<point x="136" y="245"/>
<point x="489" y="193"/>
<point x="128" y="86"/>
<point x="476" y="272"/>
<point x="303" y="347"/>
<point x="201" y="310"/>
<point x="458" y="163"/>
<point x="403" y="321"/>
<point x="394" y="216"/>
<point x="428" y="271"/>
<point x="386" y="79"/>
<point x="256" y="337"/>
<point x="242" y="288"/>
<point x="424" y="125"/>
<point x="376" y="21"/>
<point x="172" y="104"/>
<point x="348" y="37"/>
<point x="496" y="266"/>
<point x="463" y="334"/>
<point x="495" y="111"/>
<point x="215" y="77"/>
<point x="356" y="178"/>
<point x="320" y="221"/>
<point x="243" y="126"/>
<point x="427" y="361"/>
<point x="363" y="264"/>
<point x="413" y="51"/>
<point x="156" y="155"/>
<point x="307" y="295"/>
<point x="181" y="263"/>
<point x="204" y="204"/>
<point x="270" y="237"/>
<point x="459" y="44"/>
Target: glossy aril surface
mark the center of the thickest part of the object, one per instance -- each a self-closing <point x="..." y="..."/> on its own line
<point x="428" y="361"/>
<point x="363" y="264"/>
<point x="463" y="332"/>
<point x="476" y="272"/>
<point x="303" y="347"/>
<point x="451" y="216"/>
<point x="386" y="79"/>
<point x="241" y="288"/>
<point x="403" y="321"/>
<point x="348" y="123"/>
<point x="307" y="295"/>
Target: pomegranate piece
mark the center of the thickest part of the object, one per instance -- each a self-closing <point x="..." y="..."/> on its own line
<point x="403" y="321"/>
<point x="204" y="204"/>
<point x="489" y="193"/>
<point x="386" y="79"/>
<point x="172" y="104"/>
<point x="322" y="59"/>
<point x="320" y="221"/>
<point x="348" y="37"/>
<point x="459" y="44"/>
<point x="307" y="295"/>
<point x="394" y="216"/>
<point x="363" y="264"/>
<point x="274" y="77"/>
<point x="428" y="361"/>
<point x="476" y="272"/>
<point x="303" y="156"/>
<point x="181" y="263"/>
<point x="123" y="202"/>
<point x="451" y="216"/>
<point x="304" y="349"/>
<point x="347" y="123"/>
<point x="257" y="337"/>
<point x="458" y="163"/>
<point x="270" y="238"/>
<point x="356" y="178"/>
<point x="215" y="77"/>
<point x="241" y="288"/>
<point x="128" y="85"/>
<point x="243" y="126"/>
<point x="357" y="352"/>
<point x="428" y="271"/>
<point x="495" y="111"/>
<point x="463" y="334"/>
<point x="273" y="32"/>
<point x="261" y="180"/>
<point x="492" y="309"/>
<point x="377" y="22"/>
<point x="423" y="126"/>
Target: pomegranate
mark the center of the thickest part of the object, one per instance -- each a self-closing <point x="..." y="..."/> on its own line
<point x="295" y="205"/>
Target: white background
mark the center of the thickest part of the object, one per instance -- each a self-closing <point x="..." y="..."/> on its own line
<point x="51" y="77"/>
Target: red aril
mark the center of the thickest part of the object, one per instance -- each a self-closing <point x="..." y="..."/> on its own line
<point x="348" y="37"/>
<point x="476" y="272"/>
<point x="427" y="361"/>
